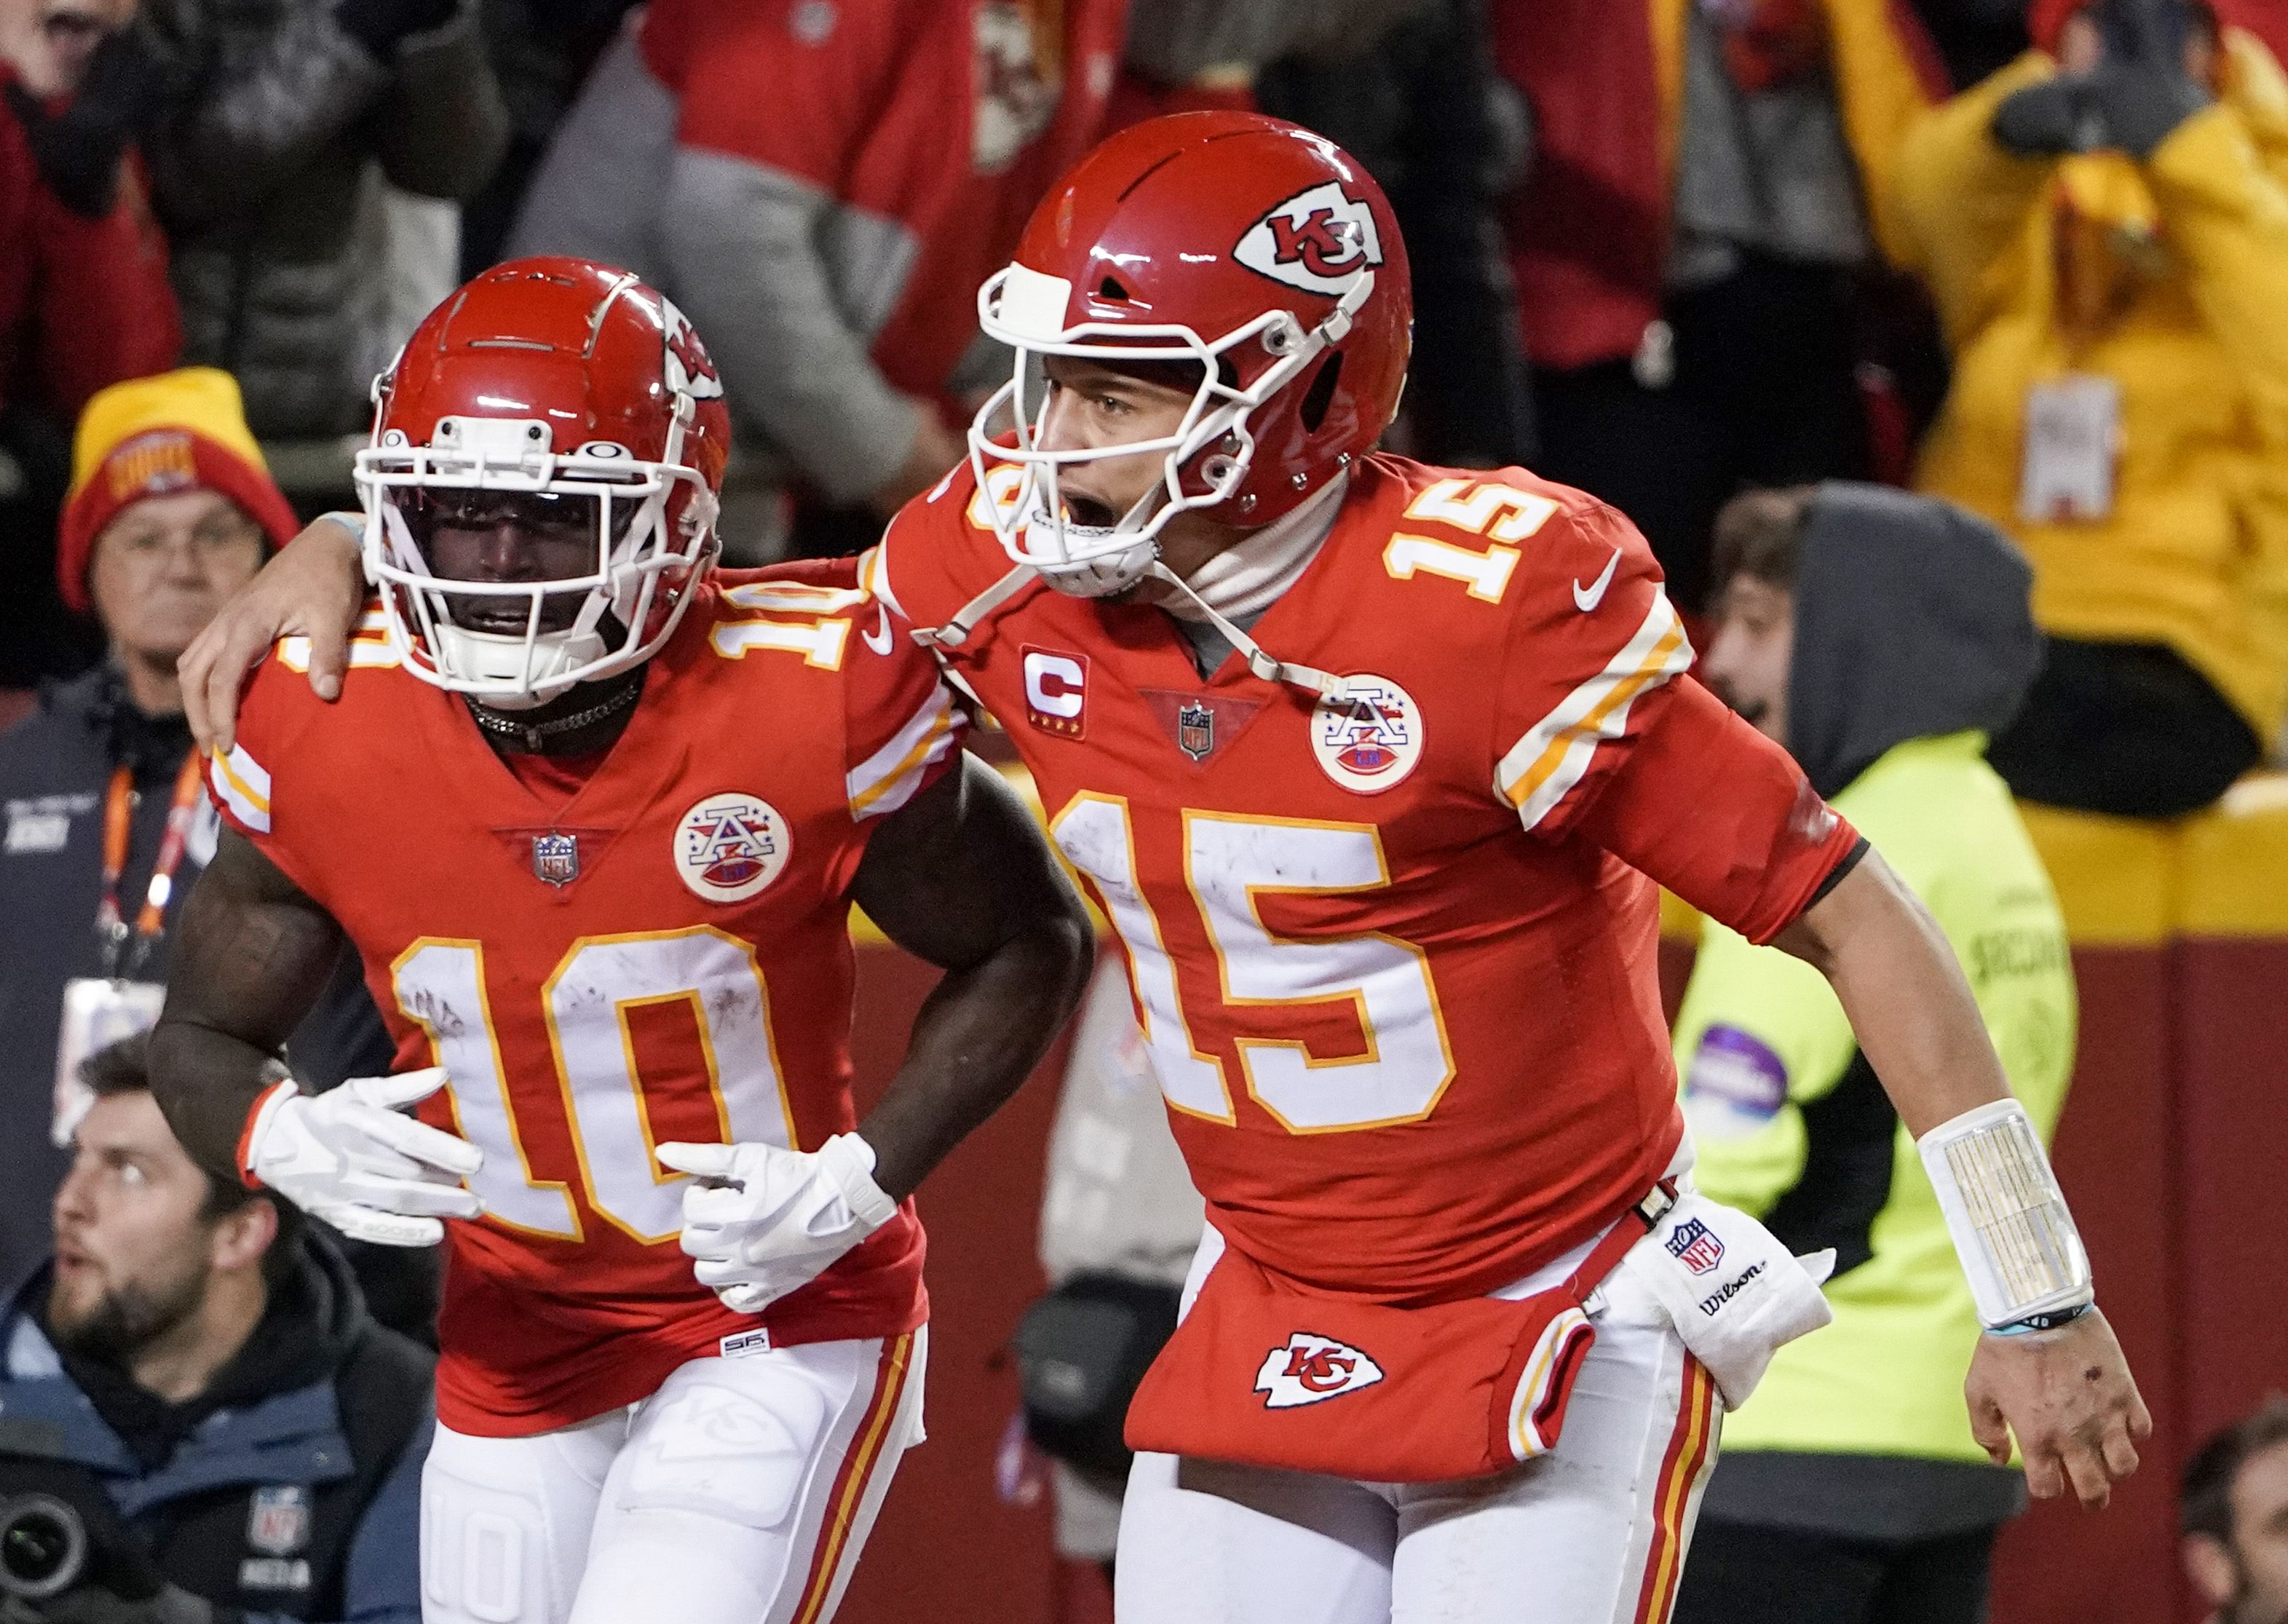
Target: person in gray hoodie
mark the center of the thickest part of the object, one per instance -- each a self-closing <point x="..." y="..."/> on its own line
<point x="1881" y="638"/>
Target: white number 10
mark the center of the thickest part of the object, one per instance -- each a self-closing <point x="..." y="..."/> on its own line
<point x="441" y="984"/>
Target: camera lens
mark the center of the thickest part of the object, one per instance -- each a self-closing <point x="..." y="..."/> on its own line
<point x="43" y="1546"/>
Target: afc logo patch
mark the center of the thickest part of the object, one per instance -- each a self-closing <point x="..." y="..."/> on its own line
<point x="1310" y="1369"/>
<point x="730" y="846"/>
<point x="1056" y="691"/>
<point x="1316" y="241"/>
<point x="1695" y="1245"/>
<point x="1371" y="738"/>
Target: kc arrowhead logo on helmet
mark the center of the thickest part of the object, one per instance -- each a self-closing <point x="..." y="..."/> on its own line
<point x="1316" y="240"/>
<point x="687" y="365"/>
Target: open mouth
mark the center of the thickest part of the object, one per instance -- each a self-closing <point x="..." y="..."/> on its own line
<point x="508" y="617"/>
<point x="1089" y="513"/>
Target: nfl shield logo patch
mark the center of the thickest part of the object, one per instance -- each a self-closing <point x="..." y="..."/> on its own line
<point x="556" y="858"/>
<point x="1196" y="731"/>
<point x="279" y="1524"/>
<point x="1199" y="724"/>
<point x="1694" y="1246"/>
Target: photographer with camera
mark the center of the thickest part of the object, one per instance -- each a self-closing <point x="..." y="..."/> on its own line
<point x="2104" y="227"/>
<point x="199" y="1424"/>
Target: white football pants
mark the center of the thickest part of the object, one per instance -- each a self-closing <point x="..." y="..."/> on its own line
<point x="1593" y="1532"/>
<point x="740" y="1493"/>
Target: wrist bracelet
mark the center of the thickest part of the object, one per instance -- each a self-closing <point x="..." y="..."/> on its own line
<point x="2041" y="1322"/>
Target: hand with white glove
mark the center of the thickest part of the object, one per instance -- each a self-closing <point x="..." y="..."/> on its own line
<point x="762" y="1221"/>
<point x="353" y="1157"/>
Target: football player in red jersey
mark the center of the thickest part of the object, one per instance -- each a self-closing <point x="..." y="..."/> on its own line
<point x="1372" y="766"/>
<point x="594" y="817"/>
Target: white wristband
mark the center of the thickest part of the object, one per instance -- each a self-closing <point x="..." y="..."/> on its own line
<point x="2008" y="1218"/>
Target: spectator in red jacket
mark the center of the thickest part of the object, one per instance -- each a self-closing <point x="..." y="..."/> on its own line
<point x="85" y="300"/>
<point x="823" y="184"/>
<point x="84" y="294"/>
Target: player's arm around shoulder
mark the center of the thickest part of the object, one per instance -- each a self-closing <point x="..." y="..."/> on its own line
<point x="314" y="589"/>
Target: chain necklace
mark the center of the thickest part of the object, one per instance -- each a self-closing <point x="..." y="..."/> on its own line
<point x="533" y="736"/>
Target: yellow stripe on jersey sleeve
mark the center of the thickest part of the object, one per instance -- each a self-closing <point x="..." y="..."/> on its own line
<point x="888" y="780"/>
<point x="244" y="786"/>
<point x="1554" y="754"/>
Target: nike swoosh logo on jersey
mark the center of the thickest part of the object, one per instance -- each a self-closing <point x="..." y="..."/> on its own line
<point x="879" y="639"/>
<point x="1588" y="597"/>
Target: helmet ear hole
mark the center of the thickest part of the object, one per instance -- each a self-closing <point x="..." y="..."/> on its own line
<point x="1321" y="395"/>
<point x="1110" y="289"/>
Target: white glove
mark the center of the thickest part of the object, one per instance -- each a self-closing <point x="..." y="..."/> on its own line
<point x="763" y="1221"/>
<point x="352" y="1157"/>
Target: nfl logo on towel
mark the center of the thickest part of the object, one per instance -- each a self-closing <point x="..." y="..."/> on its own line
<point x="1693" y="1246"/>
<point x="556" y="858"/>
<point x="279" y="1524"/>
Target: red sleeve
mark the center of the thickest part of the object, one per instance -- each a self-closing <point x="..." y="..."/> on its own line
<point x="1592" y="648"/>
<point x="790" y="84"/>
<point x="901" y="729"/>
<point x="245" y="783"/>
<point x="104" y="310"/>
<point x="1721" y="816"/>
<point x="1601" y="734"/>
<point x="937" y="555"/>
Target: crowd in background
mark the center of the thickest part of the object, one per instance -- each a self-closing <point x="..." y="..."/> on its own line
<point x="1664" y="252"/>
<point x="2030" y="260"/>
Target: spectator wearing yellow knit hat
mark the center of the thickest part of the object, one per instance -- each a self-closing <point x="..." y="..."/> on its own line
<point x="171" y="508"/>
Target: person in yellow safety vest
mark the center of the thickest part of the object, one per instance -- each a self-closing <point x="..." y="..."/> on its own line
<point x="2104" y="227"/>
<point x="1880" y="638"/>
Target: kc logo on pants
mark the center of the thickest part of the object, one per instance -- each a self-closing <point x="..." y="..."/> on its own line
<point x="1056" y="692"/>
<point x="1310" y="1369"/>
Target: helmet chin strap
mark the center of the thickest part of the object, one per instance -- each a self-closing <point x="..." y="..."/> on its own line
<point x="1329" y="688"/>
<point x="1248" y="578"/>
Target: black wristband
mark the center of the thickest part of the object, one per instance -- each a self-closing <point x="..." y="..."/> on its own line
<point x="2042" y="1322"/>
<point x="1837" y="874"/>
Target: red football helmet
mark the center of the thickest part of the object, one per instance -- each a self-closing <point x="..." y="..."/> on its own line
<point x="570" y="408"/>
<point x="1257" y="250"/>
